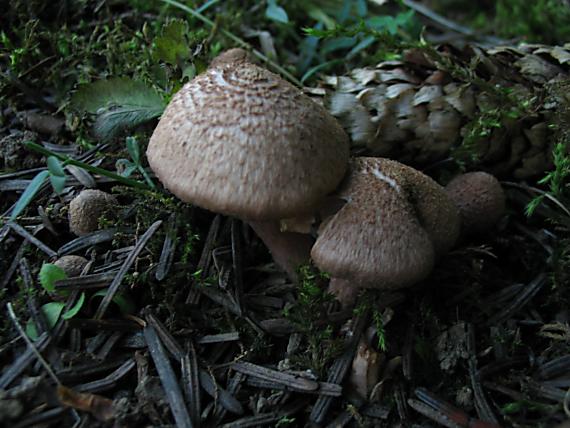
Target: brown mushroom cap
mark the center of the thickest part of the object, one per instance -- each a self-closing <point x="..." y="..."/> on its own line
<point x="86" y="209"/>
<point x="436" y="211"/>
<point x="71" y="265"/>
<point x="240" y="140"/>
<point x="375" y="239"/>
<point x="480" y="199"/>
<point x="231" y="56"/>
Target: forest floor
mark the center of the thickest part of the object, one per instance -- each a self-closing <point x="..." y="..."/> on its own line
<point x="179" y="315"/>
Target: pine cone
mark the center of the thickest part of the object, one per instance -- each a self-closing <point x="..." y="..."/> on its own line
<point x="493" y="107"/>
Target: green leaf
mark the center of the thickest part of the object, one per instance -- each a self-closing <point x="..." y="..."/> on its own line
<point x="58" y="183"/>
<point x="122" y="300"/>
<point x="172" y="45"/>
<point x="75" y="309"/>
<point x="405" y="18"/>
<point x="57" y="174"/>
<point x="29" y="193"/>
<point x="308" y="50"/>
<point x="361" y="8"/>
<point x="338" y="43"/>
<point x="49" y="274"/>
<point x="383" y="23"/>
<point x="31" y="330"/>
<point x="51" y="312"/>
<point x="320" y="16"/>
<point x="319" y="67"/>
<point x="113" y="122"/>
<point x="119" y="104"/>
<point x="276" y="13"/>
<point x="345" y="11"/>
<point x="125" y="166"/>
<point x="363" y="44"/>
<point x="189" y="72"/>
<point x="105" y="94"/>
<point x="134" y="150"/>
<point x="54" y="166"/>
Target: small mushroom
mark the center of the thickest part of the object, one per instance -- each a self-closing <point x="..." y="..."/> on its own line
<point x="480" y="200"/>
<point x="395" y="223"/>
<point x="86" y="209"/>
<point x="71" y="265"/>
<point x="241" y="141"/>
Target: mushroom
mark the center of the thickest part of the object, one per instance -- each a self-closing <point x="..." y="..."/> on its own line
<point x="241" y="141"/>
<point x="71" y="265"/>
<point x="394" y="225"/>
<point x="480" y="200"/>
<point x="86" y="209"/>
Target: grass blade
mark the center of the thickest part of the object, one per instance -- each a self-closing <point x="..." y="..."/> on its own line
<point x="29" y="194"/>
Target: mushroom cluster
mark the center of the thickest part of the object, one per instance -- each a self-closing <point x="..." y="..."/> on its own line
<point x="396" y="222"/>
<point x="241" y="141"/>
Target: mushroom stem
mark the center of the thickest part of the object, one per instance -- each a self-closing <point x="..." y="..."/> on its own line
<point x="289" y="249"/>
<point x="344" y="291"/>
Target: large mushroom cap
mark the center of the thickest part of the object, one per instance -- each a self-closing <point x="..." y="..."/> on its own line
<point x="240" y="140"/>
<point x="376" y="239"/>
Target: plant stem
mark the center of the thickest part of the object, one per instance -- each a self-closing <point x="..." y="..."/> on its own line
<point x="95" y="170"/>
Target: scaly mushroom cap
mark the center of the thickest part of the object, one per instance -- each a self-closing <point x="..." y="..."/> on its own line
<point x="240" y="140"/>
<point x="86" y="209"/>
<point x="375" y="239"/>
<point x="436" y="211"/>
<point x="480" y="199"/>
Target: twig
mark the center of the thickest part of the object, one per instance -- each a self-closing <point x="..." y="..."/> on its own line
<point x="31" y="346"/>
<point x="40" y="419"/>
<point x="325" y="388"/>
<point x="289" y="380"/>
<point x="191" y="383"/>
<point x="227" y="400"/>
<point x="32" y="239"/>
<point x="167" y="378"/>
<point x="114" y="287"/>
<point x="431" y="413"/>
<point x="520" y="301"/>
<point x="85" y="241"/>
<point x="167" y="254"/>
<point x="481" y="404"/>
<point x="340" y="368"/>
<point x="194" y="294"/>
<point x="231" y="336"/>
<point x="109" y="381"/>
<point x="76" y="373"/>
<point x="237" y="263"/>
<point x="268" y="418"/>
<point x="556" y="367"/>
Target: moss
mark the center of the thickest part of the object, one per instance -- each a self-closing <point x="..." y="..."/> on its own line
<point x="544" y="21"/>
<point x="319" y="345"/>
